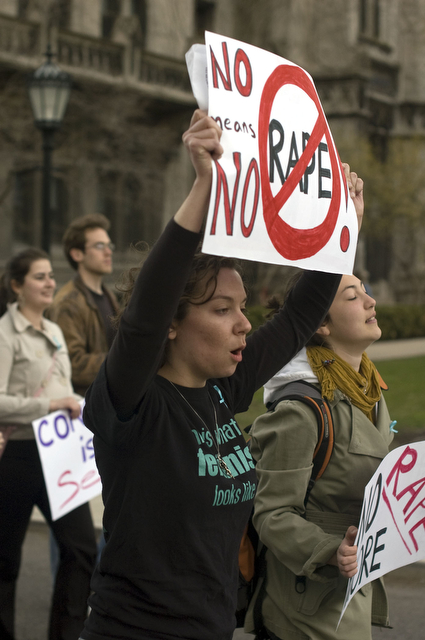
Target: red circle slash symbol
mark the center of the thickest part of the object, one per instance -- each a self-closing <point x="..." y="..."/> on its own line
<point x="291" y="243"/>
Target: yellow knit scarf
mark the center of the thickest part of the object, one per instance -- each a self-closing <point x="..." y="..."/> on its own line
<point x="362" y="387"/>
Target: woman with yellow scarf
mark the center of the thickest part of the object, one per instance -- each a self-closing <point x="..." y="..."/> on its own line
<point x="316" y="540"/>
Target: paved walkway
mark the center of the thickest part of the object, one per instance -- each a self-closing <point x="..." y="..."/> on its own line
<point x="392" y="349"/>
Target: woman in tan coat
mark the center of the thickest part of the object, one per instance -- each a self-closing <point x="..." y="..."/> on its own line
<point x="311" y="550"/>
<point x="35" y="379"/>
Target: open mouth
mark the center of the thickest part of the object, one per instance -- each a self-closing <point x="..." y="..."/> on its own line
<point x="237" y="354"/>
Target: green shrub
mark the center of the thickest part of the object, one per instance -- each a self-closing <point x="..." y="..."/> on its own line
<point x="401" y="321"/>
<point x="397" y="322"/>
<point x="257" y="315"/>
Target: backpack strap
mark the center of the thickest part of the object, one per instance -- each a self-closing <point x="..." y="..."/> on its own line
<point x="311" y="396"/>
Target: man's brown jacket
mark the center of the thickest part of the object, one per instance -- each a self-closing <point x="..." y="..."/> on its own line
<point x="76" y="312"/>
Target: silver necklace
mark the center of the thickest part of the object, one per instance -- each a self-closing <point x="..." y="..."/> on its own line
<point x="221" y="463"/>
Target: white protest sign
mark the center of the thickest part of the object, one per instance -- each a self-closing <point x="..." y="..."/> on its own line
<point x="67" y="457"/>
<point x="196" y="61"/>
<point x="391" y="531"/>
<point x="279" y="194"/>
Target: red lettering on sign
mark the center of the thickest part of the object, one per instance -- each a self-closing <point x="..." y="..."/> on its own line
<point x="344" y="239"/>
<point x="229" y="210"/>
<point x="85" y="483"/>
<point x="242" y="58"/>
<point x="402" y="467"/>
<point x="225" y="78"/>
<point x="405" y="463"/>
<point x="253" y="168"/>
<point x="421" y="523"/>
<point x="61" y="483"/>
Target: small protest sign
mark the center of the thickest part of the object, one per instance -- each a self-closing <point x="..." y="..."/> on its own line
<point x="66" y="451"/>
<point x="391" y="531"/>
<point x="279" y="194"/>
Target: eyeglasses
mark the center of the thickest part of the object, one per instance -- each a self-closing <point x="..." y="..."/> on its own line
<point x="101" y="246"/>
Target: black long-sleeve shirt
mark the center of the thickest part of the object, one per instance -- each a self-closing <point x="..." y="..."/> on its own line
<point x="173" y="522"/>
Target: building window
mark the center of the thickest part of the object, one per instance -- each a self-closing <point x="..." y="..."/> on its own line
<point x="23" y="207"/>
<point x="58" y="209"/>
<point x="204" y="17"/>
<point x="370" y="18"/>
<point x="110" y="12"/>
<point x="379" y="257"/>
<point x="107" y="198"/>
<point x="132" y="228"/>
<point x="138" y="9"/>
<point x="63" y="13"/>
<point x="27" y="207"/>
<point x="22" y="8"/>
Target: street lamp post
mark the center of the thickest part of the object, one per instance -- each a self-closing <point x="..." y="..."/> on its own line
<point x="49" y="88"/>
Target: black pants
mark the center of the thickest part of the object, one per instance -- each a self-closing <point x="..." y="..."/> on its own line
<point x="21" y="487"/>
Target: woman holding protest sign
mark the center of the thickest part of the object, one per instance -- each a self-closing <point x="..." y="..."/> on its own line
<point x="309" y="528"/>
<point x="35" y="379"/>
<point x="178" y="479"/>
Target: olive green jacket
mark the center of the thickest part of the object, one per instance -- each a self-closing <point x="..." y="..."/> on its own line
<point x="299" y="541"/>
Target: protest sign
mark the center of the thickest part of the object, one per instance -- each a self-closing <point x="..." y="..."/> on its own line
<point x="391" y="531"/>
<point x="67" y="457"/>
<point x="279" y="193"/>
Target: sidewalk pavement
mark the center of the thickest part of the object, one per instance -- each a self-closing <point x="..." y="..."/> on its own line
<point x="385" y="350"/>
<point x="392" y="349"/>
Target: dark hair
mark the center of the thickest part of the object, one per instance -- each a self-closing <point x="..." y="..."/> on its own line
<point x="204" y="272"/>
<point x="16" y="269"/>
<point x="274" y="304"/>
<point x="75" y="235"/>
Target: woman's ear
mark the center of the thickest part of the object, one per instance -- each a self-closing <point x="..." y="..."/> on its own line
<point x="323" y="330"/>
<point x="172" y="331"/>
<point x="15" y="287"/>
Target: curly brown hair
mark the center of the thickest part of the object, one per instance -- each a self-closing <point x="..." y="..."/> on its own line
<point x="75" y="235"/>
<point x="203" y="274"/>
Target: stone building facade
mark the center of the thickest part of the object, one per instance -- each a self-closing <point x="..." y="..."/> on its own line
<point x="119" y="149"/>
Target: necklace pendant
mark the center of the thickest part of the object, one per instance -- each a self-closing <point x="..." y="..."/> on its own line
<point x="223" y="466"/>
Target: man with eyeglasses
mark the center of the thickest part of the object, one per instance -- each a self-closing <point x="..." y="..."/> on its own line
<point x="84" y="306"/>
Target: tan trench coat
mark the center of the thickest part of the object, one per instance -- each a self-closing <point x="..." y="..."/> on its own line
<point x="26" y="359"/>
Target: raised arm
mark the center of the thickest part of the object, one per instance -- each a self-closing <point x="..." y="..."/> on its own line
<point x="202" y="141"/>
<point x="277" y="342"/>
<point x="136" y="353"/>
